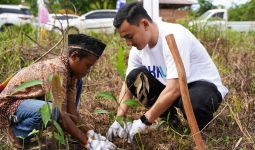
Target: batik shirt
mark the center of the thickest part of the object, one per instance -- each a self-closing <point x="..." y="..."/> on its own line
<point x="10" y="100"/>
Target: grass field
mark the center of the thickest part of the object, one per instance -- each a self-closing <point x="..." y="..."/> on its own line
<point x="233" y="54"/>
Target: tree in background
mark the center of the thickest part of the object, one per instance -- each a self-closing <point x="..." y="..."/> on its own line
<point x="72" y="6"/>
<point x="30" y="3"/>
<point x="9" y="1"/>
<point x="204" y="6"/>
<point x="80" y="6"/>
<point x="33" y="6"/>
<point x="244" y="12"/>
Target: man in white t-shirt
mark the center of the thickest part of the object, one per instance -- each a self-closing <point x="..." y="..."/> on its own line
<point x="151" y="60"/>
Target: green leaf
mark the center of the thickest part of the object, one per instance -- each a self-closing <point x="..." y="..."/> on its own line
<point x="100" y="111"/>
<point x="45" y="113"/>
<point x="27" y="85"/>
<point x="57" y="89"/>
<point x="49" y="96"/>
<point x="120" y="120"/>
<point x="59" y="138"/>
<point x="58" y="127"/>
<point x="129" y="119"/>
<point x="60" y="135"/>
<point x="131" y="102"/>
<point x="112" y="115"/>
<point x="121" y="63"/>
<point x="33" y="132"/>
<point x="106" y="95"/>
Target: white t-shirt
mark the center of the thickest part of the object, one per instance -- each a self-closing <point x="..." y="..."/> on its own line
<point x="159" y="61"/>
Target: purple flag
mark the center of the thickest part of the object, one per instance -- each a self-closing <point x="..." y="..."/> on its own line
<point x="43" y="14"/>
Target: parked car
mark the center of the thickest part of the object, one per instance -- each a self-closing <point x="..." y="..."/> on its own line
<point x="219" y="17"/>
<point x="14" y="15"/>
<point x="96" y="20"/>
<point x="58" y="22"/>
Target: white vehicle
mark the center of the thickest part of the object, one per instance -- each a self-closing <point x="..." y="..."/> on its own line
<point x="96" y="20"/>
<point x="14" y="15"/>
<point x="58" y="22"/>
<point x="219" y="17"/>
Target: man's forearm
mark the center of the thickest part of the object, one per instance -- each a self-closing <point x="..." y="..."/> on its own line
<point x="164" y="101"/>
<point x="122" y="110"/>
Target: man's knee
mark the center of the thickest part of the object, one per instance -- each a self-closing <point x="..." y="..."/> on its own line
<point x="131" y="77"/>
<point x="149" y="83"/>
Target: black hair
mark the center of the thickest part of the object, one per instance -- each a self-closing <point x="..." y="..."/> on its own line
<point x="82" y="53"/>
<point x="133" y="13"/>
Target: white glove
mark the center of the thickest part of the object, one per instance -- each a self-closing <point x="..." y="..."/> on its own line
<point x="116" y="130"/>
<point x="125" y="131"/>
<point x="95" y="136"/>
<point x="100" y="145"/>
<point x="137" y="127"/>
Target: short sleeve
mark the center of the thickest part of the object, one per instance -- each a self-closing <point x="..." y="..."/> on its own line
<point x="134" y="60"/>
<point x="184" y="46"/>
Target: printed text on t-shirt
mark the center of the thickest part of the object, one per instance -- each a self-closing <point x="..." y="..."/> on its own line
<point x="156" y="71"/>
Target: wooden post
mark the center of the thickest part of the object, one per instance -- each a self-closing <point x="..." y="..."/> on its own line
<point x="185" y="93"/>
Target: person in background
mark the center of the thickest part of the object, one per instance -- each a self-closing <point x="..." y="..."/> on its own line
<point x="151" y="58"/>
<point x="19" y="111"/>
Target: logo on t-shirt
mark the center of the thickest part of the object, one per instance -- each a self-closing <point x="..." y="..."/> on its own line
<point x="156" y="71"/>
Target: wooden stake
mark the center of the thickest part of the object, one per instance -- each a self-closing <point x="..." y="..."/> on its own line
<point x="185" y="93"/>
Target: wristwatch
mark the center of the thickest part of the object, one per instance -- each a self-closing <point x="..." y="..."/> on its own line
<point x="145" y="120"/>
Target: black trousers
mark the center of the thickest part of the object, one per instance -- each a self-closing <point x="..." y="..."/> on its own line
<point x="204" y="96"/>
